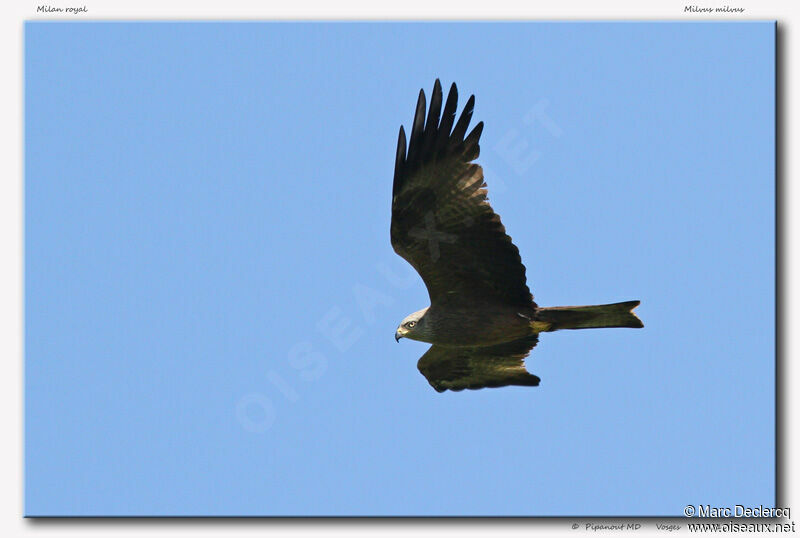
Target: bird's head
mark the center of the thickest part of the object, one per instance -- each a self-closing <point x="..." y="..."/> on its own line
<point x="413" y="326"/>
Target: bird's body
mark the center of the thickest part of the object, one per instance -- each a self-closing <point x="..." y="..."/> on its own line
<point x="483" y="320"/>
<point x="492" y="324"/>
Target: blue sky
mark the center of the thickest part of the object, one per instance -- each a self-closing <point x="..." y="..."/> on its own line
<point x="211" y="295"/>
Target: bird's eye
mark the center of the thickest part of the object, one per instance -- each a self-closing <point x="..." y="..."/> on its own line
<point x="411" y="324"/>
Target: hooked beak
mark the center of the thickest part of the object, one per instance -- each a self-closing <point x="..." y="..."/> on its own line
<point x="397" y="335"/>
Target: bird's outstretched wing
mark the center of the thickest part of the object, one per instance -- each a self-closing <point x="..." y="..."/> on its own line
<point x="442" y="223"/>
<point x="453" y="368"/>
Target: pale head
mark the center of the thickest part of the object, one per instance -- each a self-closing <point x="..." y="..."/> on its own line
<point x="413" y="327"/>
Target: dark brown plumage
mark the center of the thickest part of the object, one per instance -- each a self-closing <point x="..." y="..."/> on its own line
<point x="483" y="320"/>
<point x="442" y="223"/>
<point x="458" y="368"/>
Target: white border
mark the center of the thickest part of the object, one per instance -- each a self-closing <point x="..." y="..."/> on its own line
<point x="11" y="221"/>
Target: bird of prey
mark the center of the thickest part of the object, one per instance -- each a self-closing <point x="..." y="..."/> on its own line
<point x="482" y="320"/>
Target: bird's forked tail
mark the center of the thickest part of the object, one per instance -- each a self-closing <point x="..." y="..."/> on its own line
<point x="587" y="317"/>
